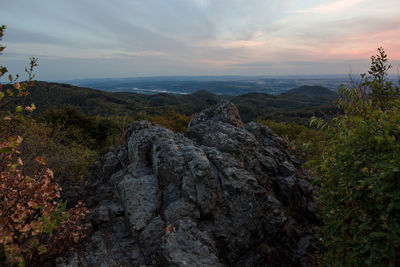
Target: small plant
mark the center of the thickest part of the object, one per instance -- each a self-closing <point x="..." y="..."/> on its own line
<point x="34" y="224"/>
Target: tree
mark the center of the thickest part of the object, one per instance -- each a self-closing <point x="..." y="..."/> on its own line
<point x="359" y="173"/>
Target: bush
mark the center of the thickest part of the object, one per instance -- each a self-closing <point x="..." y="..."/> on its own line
<point x="116" y="126"/>
<point x="305" y="143"/>
<point x="75" y="126"/>
<point x="34" y="224"/>
<point x="68" y="158"/>
<point x="359" y="174"/>
<point x="173" y="121"/>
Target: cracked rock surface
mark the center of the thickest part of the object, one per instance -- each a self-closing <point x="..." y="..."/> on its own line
<point x="223" y="194"/>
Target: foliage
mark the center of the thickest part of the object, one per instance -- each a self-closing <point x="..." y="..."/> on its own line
<point x="381" y="90"/>
<point x="93" y="134"/>
<point x="173" y="121"/>
<point x="34" y="225"/>
<point x="68" y="158"/>
<point x="359" y="174"/>
<point x="67" y="139"/>
<point x="3" y="70"/>
<point x="117" y="127"/>
<point x="305" y="143"/>
<point x="75" y="125"/>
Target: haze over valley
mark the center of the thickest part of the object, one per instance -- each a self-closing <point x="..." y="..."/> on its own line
<point x="221" y="85"/>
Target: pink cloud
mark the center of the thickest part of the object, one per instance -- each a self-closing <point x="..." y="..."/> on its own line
<point x="331" y="7"/>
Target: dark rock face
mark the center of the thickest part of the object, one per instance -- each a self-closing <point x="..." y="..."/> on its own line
<point x="228" y="194"/>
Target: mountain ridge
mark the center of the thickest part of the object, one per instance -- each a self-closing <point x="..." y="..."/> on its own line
<point x="311" y="91"/>
<point x="254" y="105"/>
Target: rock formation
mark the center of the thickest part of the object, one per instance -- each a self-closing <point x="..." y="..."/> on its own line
<point x="224" y="194"/>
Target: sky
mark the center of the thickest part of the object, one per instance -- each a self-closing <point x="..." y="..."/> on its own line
<point x="129" y="38"/>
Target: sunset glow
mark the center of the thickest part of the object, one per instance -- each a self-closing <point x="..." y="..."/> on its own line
<point x="77" y="39"/>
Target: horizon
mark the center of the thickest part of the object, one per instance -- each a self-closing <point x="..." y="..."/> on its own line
<point x="133" y="39"/>
<point x="288" y="76"/>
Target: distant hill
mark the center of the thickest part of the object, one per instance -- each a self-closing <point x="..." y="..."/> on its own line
<point x="95" y="102"/>
<point x="223" y="85"/>
<point x="305" y="99"/>
<point x="314" y="91"/>
<point x="297" y="104"/>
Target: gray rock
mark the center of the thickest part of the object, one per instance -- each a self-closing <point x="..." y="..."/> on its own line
<point x="186" y="245"/>
<point x="179" y="209"/>
<point x="150" y="238"/>
<point x="106" y="210"/>
<point x="139" y="198"/>
<point x="111" y="164"/>
<point x="228" y="194"/>
<point x="224" y="112"/>
<point x="71" y="260"/>
<point x="286" y="169"/>
<point x="122" y="155"/>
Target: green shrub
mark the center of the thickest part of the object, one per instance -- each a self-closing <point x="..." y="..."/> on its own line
<point x="116" y="128"/>
<point x="75" y="125"/>
<point x="66" y="151"/>
<point x="173" y="121"/>
<point x="305" y="143"/>
<point x="360" y="174"/>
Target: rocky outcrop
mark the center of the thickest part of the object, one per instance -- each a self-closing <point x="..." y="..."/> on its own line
<point x="225" y="194"/>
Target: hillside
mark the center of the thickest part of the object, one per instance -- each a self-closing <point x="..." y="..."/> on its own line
<point x="312" y="91"/>
<point x="302" y="102"/>
<point x="306" y="99"/>
<point x="95" y="102"/>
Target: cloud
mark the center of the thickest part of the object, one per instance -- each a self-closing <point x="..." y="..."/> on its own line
<point x="16" y="35"/>
<point x="207" y="36"/>
<point x="203" y="3"/>
<point x="256" y="64"/>
<point x="331" y="7"/>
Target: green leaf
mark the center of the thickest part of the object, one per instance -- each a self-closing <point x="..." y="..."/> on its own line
<point x="18" y="109"/>
<point x="19" y="117"/>
<point x="42" y="249"/>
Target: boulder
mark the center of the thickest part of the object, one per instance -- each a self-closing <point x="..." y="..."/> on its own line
<point x="223" y="194"/>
